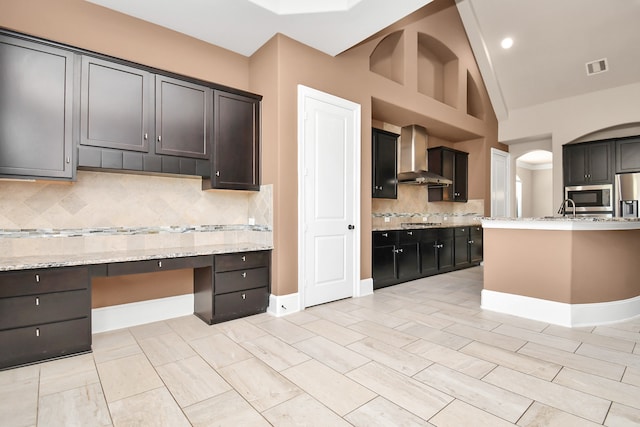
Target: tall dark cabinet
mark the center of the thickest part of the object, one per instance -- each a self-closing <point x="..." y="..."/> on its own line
<point x="452" y="164"/>
<point x="236" y="142"/>
<point x="588" y="163"/>
<point x="36" y="109"/>
<point x="384" y="164"/>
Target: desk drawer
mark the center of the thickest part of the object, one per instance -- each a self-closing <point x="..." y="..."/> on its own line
<point x="238" y="280"/>
<point x="36" y="309"/>
<point x="153" y="265"/>
<point x="29" y="282"/>
<point x="241" y="260"/>
<point x="238" y="304"/>
<point x="34" y="343"/>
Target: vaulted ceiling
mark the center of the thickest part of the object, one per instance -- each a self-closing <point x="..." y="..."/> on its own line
<point x="552" y="39"/>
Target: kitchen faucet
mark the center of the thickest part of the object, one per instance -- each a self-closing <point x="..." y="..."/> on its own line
<point x="563" y="207"/>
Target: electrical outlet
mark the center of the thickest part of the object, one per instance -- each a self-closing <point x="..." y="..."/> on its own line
<point x="252" y="221"/>
<point x="387" y="219"/>
<point x="424" y="219"/>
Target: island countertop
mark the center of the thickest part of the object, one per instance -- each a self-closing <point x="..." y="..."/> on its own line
<point x="567" y="223"/>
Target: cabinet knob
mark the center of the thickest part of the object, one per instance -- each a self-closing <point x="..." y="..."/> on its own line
<point x="380" y="188"/>
<point x="244" y="274"/>
<point x="37" y="301"/>
<point x="146" y="136"/>
<point x="37" y="278"/>
<point x="385" y="235"/>
<point x="159" y="264"/>
<point x="244" y="258"/>
<point x="159" y="138"/>
<point x="37" y="332"/>
<point x="68" y="159"/>
<point x="244" y="296"/>
<point x="217" y="173"/>
<point x="410" y="233"/>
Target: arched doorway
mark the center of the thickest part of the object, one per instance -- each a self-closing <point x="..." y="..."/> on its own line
<point x="535" y="172"/>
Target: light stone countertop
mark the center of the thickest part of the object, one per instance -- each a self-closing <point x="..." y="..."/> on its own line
<point x="421" y="225"/>
<point x="560" y="223"/>
<point x="49" y="261"/>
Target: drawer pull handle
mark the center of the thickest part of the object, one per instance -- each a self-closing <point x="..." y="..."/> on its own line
<point x="244" y="296"/>
<point x="244" y="274"/>
<point x="37" y="301"/>
<point x="37" y="332"/>
<point x="385" y="235"/>
<point x="37" y="278"/>
<point x="244" y="258"/>
<point x="410" y="233"/>
<point x="159" y="264"/>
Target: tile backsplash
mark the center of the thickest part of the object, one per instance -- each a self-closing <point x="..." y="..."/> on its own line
<point x="412" y="205"/>
<point x="102" y="199"/>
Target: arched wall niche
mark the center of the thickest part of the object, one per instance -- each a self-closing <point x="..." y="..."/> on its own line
<point x="387" y="59"/>
<point x="437" y="70"/>
<point x="474" y="100"/>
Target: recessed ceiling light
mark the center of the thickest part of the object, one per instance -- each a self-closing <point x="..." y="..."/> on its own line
<point x="506" y="43"/>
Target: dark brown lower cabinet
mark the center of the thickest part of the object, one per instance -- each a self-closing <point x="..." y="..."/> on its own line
<point x="44" y="314"/>
<point x="238" y="285"/>
<point x="403" y="255"/>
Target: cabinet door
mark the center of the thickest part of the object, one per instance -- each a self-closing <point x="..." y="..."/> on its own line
<point x="461" y="177"/>
<point x="475" y="245"/>
<point x="384" y="266"/>
<point x="461" y="247"/>
<point x="236" y="142"/>
<point x="446" y="249"/>
<point x="116" y="106"/>
<point x="36" y="91"/>
<point x="429" y="252"/>
<point x="408" y="261"/>
<point x="385" y="164"/>
<point x="600" y="158"/>
<point x="574" y="163"/>
<point x="183" y="122"/>
<point x="627" y="155"/>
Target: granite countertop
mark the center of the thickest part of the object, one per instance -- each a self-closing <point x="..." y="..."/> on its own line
<point x="426" y="225"/>
<point x="578" y="223"/>
<point x="48" y="261"/>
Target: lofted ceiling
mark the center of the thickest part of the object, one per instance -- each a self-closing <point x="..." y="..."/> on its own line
<point x="553" y="39"/>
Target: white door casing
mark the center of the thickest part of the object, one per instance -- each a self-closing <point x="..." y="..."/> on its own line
<point x="500" y="183"/>
<point x="328" y="197"/>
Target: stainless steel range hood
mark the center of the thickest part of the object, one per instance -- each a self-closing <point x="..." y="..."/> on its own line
<point x="413" y="159"/>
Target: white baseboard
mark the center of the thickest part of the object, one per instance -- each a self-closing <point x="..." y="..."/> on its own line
<point x="281" y="305"/>
<point x="366" y="288"/>
<point x="568" y="315"/>
<point x="137" y="313"/>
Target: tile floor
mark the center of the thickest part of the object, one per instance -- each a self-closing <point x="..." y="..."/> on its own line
<point x="418" y="354"/>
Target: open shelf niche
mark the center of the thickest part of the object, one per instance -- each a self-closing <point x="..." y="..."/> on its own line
<point x="475" y="107"/>
<point x="387" y="60"/>
<point x="437" y="70"/>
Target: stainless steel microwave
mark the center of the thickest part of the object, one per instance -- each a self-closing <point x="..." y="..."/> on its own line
<point x="591" y="199"/>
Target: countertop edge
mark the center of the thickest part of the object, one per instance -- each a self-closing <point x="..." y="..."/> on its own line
<point x="560" y="224"/>
<point x="97" y="258"/>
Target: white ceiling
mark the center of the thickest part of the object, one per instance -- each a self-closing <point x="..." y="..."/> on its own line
<point x="553" y="39"/>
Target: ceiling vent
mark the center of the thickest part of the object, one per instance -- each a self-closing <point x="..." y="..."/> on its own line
<point x="597" y="67"/>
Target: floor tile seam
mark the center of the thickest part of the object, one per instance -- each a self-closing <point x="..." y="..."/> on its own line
<point x="632" y="357"/>
<point x="576" y="368"/>
<point x="610" y="347"/>
<point x="600" y="388"/>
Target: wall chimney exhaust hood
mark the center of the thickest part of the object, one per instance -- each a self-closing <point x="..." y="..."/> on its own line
<point x="413" y="159"/>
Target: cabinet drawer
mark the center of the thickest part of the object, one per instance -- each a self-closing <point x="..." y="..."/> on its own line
<point x="43" y="308"/>
<point x="384" y="238"/>
<point x="29" y="282"/>
<point x="445" y="233"/>
<point x="238" y="280"/>
<point x="237" y="304"/>
<point x="461" y="231"/>
<point x="409" y="236"/>
<point x="241" y="260"/>
<point x="153" y="265"/>
<point x="34" y="343"/>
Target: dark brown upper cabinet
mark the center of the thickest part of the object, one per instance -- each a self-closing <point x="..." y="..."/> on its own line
<point x="236" y="142"/>
<point x="116" y="106"/>
<point x="588" y="163"/>
<point x="36" y="109"/>
<point x="385" y="164"/>
<point x="183" y="118"/>
<point x="452" y="164"/>
<point x="628" y="155"/>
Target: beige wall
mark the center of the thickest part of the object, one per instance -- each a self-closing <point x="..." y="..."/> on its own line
<point x="536" y="192"/>
<point x="573" y="267"/>
<point x="274" y="72"/>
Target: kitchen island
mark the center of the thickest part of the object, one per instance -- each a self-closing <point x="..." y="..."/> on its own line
<point x="562" y="270"/>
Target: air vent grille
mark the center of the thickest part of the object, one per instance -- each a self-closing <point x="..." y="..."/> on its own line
<point x="597" y="67"/>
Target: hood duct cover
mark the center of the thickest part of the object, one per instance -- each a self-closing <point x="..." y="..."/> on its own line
<point x="413" y="159"/>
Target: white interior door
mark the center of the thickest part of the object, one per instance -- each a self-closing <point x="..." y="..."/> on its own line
<point x="329" y="196"/>
<point x="500" y="183"/>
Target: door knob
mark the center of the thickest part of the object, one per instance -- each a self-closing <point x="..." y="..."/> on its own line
<point x="351" y="227"/>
